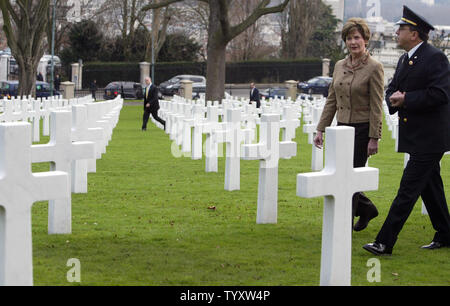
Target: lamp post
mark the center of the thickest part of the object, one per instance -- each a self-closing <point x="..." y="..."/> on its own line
<point x="52" y="78"/>
<point x="153" y="57"/>
<point x="150" y="29"/>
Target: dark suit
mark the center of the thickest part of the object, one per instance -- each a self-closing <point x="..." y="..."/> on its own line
<point x="151" y="98"/>
<point x="424" y="133"/>
<point x="254" y="96"/>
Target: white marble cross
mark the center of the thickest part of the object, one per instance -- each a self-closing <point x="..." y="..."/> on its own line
<point x="60" y="152"/>
<point x="19" y="189"/>
<point x="233" y="136"/>
<point x="269" y="150"/>
<point x="311" y="129"/>
<point x="179" y="119"/>
<point x="36" y="119"/>
<point x="211" y="147"/>
<point x="338" y="181"/>
<point x="45" y="113"/>
<point x="7" y="111"/>
<point x="197" y="136"/>
<point x="94" y="116"/>
<point x="81" y="132"/>
<point x="289" y="123"/>
<point x="198" y="116"/>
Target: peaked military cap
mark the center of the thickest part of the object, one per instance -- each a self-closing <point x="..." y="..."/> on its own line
<point x="413" y="19"/>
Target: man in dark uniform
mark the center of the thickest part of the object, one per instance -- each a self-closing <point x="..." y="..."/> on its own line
<point x="151" y="104"/>
<point x="419" y="93"/>
<point x="254" y="95"/>
<point x="94" y="89"/>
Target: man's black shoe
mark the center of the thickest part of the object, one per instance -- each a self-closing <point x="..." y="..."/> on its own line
<point x="364" y="220"/>
<point x="378" y="249"/>
<point x="435" y="245"/>
<point x="144" y="129"/>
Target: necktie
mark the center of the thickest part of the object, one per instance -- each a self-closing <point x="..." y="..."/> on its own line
<point x="404" y="65"/>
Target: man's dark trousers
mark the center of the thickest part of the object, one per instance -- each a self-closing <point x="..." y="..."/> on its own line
<point x="154" y="113"/>
<point x="421" y="177"/>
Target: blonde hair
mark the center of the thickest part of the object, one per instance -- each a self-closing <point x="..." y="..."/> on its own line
<point x="358" y="24"/>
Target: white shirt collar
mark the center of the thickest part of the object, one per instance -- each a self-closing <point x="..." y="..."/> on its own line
<point x="413" y="50"/>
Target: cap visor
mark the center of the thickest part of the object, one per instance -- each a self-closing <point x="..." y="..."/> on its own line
<point x="400" y="22"/>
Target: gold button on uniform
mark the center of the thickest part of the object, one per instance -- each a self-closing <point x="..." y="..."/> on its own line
<point x="405" y="120"/>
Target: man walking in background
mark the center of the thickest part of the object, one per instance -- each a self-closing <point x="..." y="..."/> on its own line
<point x="151" y="104"/>
<point x="94" y="89"/>
<point x="254" y="95"/>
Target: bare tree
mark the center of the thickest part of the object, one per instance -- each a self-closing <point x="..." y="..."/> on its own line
<point x="24" y="24"/>
<point x="298" y="24"/>
<point x="194" y="18"/>
<point x="62" y="26"/>
<point x="250" y="43"/>
<point x="161" y="18"/>
<point x="127" y="16"/>
<point x="220" y="33"/>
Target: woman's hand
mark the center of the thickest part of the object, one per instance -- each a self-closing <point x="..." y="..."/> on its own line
<point x="372" y="148"/>
<point x="318" y="140"/>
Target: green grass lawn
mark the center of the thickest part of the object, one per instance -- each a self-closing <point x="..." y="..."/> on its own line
<point x="146" y="221"/>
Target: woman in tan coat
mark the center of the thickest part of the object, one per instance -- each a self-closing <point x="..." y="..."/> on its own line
<point x="356" y="97"/>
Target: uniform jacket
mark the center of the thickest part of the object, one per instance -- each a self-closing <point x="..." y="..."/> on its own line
<point x="152" y="98"/>
<point x="356" y="95"/>
<point x="424" y="119"/>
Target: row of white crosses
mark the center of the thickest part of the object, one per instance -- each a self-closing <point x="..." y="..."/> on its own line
<point x="33" y="110"/>
<point x="231" y="133"/>
<point x="336" y="244"/>
<point x="71" y="141"/>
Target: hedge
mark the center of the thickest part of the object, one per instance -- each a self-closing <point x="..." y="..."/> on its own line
<point x="274" y="71"/>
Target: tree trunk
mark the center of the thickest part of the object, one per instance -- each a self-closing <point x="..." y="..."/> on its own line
<point x="217" y="44"/>
<point x="215" y="72"/>
<point x="27" y="76"/>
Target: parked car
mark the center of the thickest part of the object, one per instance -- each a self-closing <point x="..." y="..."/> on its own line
<point x="10" y="89"/>
<point x="268" y="93"/>
<point x="172" y="86"/>
<point x="317" y="85"/>
<point x="128" y="90"/>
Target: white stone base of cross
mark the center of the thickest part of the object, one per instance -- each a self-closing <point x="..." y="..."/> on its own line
<point x="338" y="181"/>
<point x="19" y="189"/>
